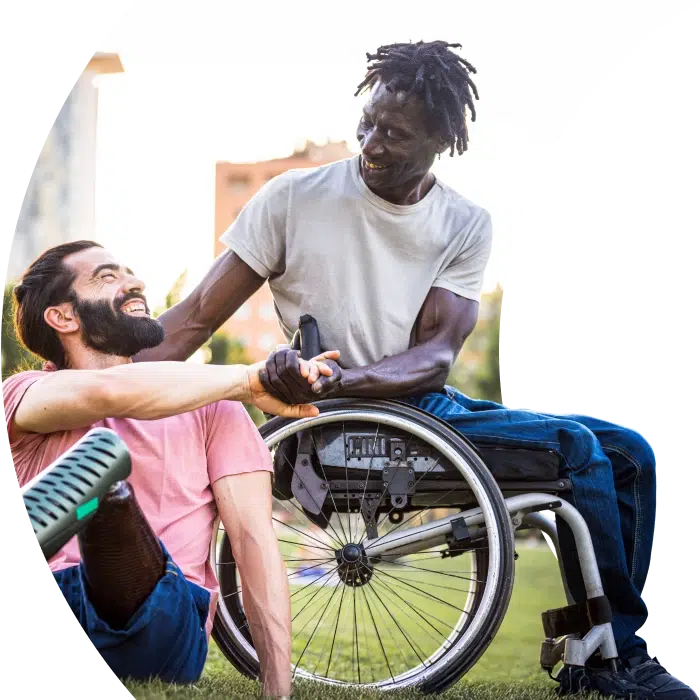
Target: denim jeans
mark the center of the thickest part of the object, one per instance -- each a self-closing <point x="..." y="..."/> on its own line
<point x="612" y="471"/>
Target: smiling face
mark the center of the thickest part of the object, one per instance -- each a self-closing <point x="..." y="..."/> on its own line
<point x="398" y="147"/>
<point x="108" y="299"/>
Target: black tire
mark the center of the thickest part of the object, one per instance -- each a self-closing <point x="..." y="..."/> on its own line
<point x="230" y="631"/>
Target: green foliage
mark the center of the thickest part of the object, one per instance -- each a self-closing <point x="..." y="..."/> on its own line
<point x="174" y="296"/>
<point x="477" y="371"/>
<point x="224" y="349"/>
<point x="15" y="358"/>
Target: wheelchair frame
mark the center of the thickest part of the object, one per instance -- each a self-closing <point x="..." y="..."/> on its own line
<point x="574" y="633"/>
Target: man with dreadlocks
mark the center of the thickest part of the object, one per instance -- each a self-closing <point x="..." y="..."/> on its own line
<point x="390" y="261"/>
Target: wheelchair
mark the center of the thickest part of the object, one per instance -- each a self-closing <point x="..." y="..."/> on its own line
<point x="398" y="536"/>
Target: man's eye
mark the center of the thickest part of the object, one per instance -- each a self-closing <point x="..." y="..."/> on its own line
<point x="395" y="135"/>
<point x="365" y="123"/>
<point x="109" y="275"/>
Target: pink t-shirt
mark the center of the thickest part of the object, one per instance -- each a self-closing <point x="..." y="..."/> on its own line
<point x="174" y="463"/>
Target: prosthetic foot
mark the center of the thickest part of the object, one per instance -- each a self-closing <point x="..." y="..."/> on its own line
<point x="64" y="497"/>
<point x="122" y="558"/>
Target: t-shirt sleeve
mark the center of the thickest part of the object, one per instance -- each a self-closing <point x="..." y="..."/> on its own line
<point x="234" y="445"/>
<point x="258" y="234"/>
<point x="13" y="390"/>
<point x="464" y="274"/>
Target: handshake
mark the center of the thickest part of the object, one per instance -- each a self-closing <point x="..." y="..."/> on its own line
<point x="285" y="384"/>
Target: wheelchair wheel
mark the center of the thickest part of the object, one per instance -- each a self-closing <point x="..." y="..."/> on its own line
<point x="421" y="614"/>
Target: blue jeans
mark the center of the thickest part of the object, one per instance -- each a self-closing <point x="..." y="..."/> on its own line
<point x="164" y="639"/>
<point x="612" y="471"/>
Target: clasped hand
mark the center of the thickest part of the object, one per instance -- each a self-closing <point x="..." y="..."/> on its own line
<point x="295" y="381"/>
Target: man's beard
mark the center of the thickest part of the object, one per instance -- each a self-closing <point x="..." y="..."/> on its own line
<point x="107" y="329"/>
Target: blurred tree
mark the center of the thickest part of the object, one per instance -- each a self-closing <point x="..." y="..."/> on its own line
<point x="15" y="357"/>
<point x="174" y="296"/>
<point x="476" y="371"/>
<point x="224" y="349"/>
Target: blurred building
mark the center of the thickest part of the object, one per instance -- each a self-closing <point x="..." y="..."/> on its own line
<point x="59" y="204"/>
<point x="255" y="323"/>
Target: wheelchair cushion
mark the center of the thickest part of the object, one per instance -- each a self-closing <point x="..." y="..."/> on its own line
<point x="519" y="464"/>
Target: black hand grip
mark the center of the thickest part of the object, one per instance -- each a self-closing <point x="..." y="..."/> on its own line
<point x="65" y="495"/>
<point x="310" y="337"/>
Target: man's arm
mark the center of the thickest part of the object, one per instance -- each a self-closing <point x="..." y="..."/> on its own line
<point x="442" y="326"/>
<point x="244" y="502"/>
<point x="189" y="324"/>
<point x="146" y="391"/>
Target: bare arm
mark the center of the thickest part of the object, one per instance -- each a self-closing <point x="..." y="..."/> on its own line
<point x="145" y="391"/>
<point x="189" y="324"/>
<point x="442" y="326"/>
<point x="244" y="502"/>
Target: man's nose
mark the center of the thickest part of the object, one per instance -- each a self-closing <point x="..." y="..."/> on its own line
<point x="372" y="146"/>
<point x="133" y="284"/>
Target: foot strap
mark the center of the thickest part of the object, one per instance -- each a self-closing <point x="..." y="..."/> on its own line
<point x="577" y="618"/>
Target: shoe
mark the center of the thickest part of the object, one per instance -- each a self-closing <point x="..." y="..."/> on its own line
<point x="639" y="678"/>
<point x="654" y="679"/>
<point x="616" y="684"/>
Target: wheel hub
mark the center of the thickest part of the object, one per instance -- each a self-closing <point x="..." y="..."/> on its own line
<point x="354" y="569"/>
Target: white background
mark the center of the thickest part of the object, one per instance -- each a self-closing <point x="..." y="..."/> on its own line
<point x="539" y="63"/>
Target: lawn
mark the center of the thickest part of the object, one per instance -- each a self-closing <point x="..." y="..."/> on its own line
<point x="509" y="669"/>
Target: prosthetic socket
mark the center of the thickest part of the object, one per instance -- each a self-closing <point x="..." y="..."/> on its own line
<point x="122" y="558"/>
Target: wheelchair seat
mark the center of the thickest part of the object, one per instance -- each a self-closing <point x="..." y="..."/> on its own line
<point x="519" y="464"/>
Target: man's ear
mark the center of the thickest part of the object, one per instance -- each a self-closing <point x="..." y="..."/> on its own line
<point x="62" y="318"/>
<point x="441" y="146"/>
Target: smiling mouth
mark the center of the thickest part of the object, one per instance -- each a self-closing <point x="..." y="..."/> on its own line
<point x="373" y="166"/>
<point x="134" y="307"/>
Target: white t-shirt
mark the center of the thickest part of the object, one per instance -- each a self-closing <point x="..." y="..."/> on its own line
<point x="357" y="263"/>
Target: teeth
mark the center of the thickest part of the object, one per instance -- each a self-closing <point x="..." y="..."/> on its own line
<point x="134" y="306"/>
<point x="371" y="166"/>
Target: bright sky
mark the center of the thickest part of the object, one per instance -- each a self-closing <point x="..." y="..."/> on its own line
<point x="205" y="85"/>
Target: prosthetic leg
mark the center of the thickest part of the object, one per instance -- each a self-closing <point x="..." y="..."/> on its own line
<point x="83" y="492"/>
<point x="122" y="558"/>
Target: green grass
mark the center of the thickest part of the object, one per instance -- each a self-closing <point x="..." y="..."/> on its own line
<point x="509" y="669"/>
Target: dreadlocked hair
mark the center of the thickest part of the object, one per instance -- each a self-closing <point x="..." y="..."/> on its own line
<point x="435" y="74"/>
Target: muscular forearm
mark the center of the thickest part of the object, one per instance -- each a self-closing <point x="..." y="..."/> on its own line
<point x="267" y="604"/>
<point x="419" y="370"/>
<point x="189" y="324"/>
<point x="152" y="390"/>
<point x="186" y="330"/>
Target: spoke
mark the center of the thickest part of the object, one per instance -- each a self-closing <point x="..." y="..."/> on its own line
<point x="398" y="647"/>
<point x="367" y="475"/>
<point x="347" y="484"/>
<point x="423" y="593"/>
<point x="302" y="533"/>
<point x="289" y="576"/>
<point x="369" y="583"/>
<point x="308" y="546"/>
<point x="308" y="602"/>
<point x="432" y="571"/>
<point x="282" y="503"/>
<point x="320" y="507"/>
<point x="425" y="612"/>
<point x="356" y="634"/>
<point x="366" y="646"/>
<point x="330" y="490"/>
<point x="323" y="614"/>
<point x="430" y="583"/>
<point x="379" y="638"/>
<point x="328" y="573"/>
<point x="335" y="632"/>
<point x="403" y="602"/>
